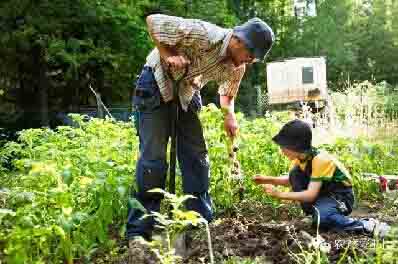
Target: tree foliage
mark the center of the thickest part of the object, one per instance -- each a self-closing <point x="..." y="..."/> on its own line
<point x="62" y="46"/>
<point x="52" y="50"/>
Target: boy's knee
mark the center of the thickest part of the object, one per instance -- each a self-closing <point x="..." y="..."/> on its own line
<point x="320" y="217"/>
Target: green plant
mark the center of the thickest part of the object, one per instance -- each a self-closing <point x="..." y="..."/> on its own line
<point x="172" y="224"/>
<point x="257" y="154"/>
<point x="66" y="188"/>
<point x="64" y="192"/>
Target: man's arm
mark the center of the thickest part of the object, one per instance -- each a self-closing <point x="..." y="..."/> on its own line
<point x="308" y="195"/>
<point x="167" y="52"/>
<point x="230" y="123"/>
<point x="228" y="90"/>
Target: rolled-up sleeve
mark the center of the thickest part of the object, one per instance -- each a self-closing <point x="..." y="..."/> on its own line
<point x="174" y="31"/>
<point x="230" y="86"/>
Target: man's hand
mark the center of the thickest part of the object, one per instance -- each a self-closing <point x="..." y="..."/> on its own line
<point x="227" y="108"/>
<point x="177" y="62"/>
<point x="230" y="124"/>
<point x="167" y="53"/>
<point x="270" y="189"/>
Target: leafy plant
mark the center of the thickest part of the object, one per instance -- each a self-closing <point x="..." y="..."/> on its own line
<point x="64" y="192"/>
<point x="66" y="189"/>
<point x="173" y="224"/>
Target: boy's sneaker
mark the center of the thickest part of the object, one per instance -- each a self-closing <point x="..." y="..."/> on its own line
<point x="381" y="231"/>
<point x="369" y="225"/>
<point x="376" y="228"/>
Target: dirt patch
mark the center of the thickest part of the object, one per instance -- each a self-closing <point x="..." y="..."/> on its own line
<point x="251" y="236"/>
<point x="253" y="230"/>
<point x="244" y="238"/>
<point x="274" y="242"/>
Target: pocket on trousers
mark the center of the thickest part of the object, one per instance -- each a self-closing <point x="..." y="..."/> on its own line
<point x="153" y="178"/>
<point x="147" y="94"/>
<point x="148" y="104"/>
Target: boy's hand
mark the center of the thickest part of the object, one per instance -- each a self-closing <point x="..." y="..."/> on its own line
<point x="259" y="179"/>
<point x="270" y="189"/>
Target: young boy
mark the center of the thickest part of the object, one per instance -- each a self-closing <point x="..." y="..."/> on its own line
<point x="320" y="183"/>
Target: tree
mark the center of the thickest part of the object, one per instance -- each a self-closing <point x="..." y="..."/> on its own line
<point x="57" y="47"/>
<point x="51" y="50"/>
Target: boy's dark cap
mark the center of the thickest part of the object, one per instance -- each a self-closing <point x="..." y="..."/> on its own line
<point x="257" y="36"/>
<point x="295" y="135"/>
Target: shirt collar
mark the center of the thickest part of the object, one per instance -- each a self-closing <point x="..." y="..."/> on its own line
<point x="310" y="155"/>
<point x="225" y="43"/>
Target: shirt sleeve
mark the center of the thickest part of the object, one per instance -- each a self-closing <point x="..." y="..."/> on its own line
<point x="230" y="86"/>
<point x="323" y="168"/>
<point x="173" y="31"/>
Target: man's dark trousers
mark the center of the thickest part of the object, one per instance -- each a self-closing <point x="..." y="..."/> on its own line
<point x="154" y="127"/>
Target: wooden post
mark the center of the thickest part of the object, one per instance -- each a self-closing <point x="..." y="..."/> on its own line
<point x="100" y="111"/>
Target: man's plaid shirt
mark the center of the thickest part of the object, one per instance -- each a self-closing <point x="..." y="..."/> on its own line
<point x="205" y="45"/>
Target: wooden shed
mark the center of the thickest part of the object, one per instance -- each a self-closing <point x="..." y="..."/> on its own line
<point x="297" y="80"/>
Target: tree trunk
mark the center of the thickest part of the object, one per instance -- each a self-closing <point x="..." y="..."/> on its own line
<point x="43" y="91"/>
<point x="75" y="97"/>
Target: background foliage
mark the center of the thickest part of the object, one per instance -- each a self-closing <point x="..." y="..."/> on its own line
<point x="64" y="193"/>
<point x="52" y="50"/>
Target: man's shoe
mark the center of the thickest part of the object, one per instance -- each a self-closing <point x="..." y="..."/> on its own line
<point x="140" y="252"/>
<point x="180" y="245"/>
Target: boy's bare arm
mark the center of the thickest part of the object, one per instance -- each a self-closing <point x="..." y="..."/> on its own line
<point x="282" y="180"/>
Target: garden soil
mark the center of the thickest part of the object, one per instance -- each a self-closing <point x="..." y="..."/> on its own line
<point x="255" y="234"/>
<point x="271" y="235"/>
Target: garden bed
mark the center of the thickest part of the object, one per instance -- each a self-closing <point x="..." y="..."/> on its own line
<point x="259" y="236"/>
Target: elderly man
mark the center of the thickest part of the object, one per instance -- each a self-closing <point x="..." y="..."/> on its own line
<point x="208" y="53"/>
